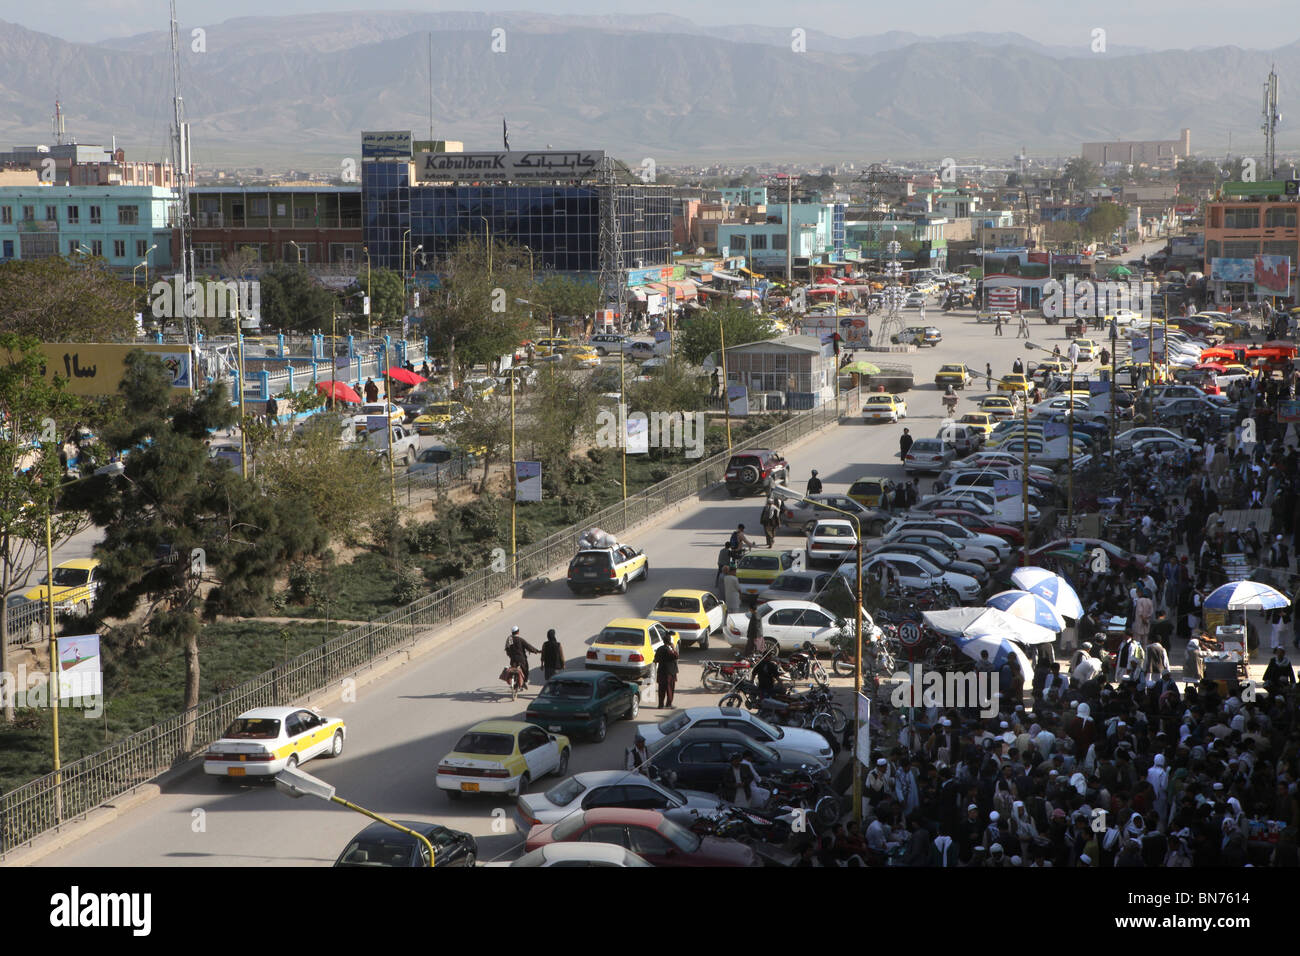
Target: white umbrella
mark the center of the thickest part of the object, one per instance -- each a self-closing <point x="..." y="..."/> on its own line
<point x="1029" y="606"/>
<point x="1051" y="586"/>
<point x="1246" y="596"/>
<point x="969" y="622"/>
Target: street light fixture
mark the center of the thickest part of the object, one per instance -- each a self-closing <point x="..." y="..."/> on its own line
<point x="298" y="249"/>
<point x="295" y="783"/>
<point x="783" y="491"/>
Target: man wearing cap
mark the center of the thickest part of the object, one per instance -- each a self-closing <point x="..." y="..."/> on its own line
<point x="879" y="782"/>
<point x="637" y="756"/>
<point x="517" y="650"/>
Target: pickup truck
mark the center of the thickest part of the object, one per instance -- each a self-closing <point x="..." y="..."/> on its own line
<point x="405" y="444"/>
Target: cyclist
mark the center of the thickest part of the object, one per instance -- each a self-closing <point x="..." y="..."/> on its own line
<point x="517" y="651"/>
<point x="738" y="543"/>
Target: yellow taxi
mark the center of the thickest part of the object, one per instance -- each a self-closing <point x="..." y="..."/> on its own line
<point x="263" y="741"/>
<point x="981" y="421"/>
<point x="607" y="569"/>
<point x="999" y="407"/>
<point x="957" y="375"/>
<point x="871" y="491"/>
<point x="436" y="417"/>
<point x="502" y="756"/>
<point x="76" y="583"/>
<point x="760" y="567"/>
<point x="1014" y="382"/>
<point x="626" y="647"/>
<point x="549" y="346"/>
<point x="583" y="355"/>
<point x="1088" y="349"/>
<point x="1051" y="367"/>
<point x="882" y="407"/>
<point x="694" y="615"/>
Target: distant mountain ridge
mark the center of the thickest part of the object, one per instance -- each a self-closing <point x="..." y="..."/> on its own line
<point x="277" y="91"/>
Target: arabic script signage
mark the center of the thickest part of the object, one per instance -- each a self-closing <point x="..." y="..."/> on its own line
<point x="97" y="369"/>
<point x="507" y="167"/>
<point x="386" y="144"/>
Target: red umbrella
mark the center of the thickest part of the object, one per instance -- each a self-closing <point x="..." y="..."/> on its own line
<point x="340" y="391"/>
<point x="402" y="375"/>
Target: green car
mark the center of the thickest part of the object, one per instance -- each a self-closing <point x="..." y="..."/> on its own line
<point x="583" y="703"/>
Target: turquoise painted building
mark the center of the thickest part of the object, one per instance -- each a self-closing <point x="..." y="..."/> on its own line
<point x="118" y="223"/>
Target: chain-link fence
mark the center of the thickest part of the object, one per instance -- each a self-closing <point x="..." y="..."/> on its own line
<point x="42" y="804"/>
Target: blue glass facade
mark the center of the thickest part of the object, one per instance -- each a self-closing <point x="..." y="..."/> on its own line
<point x="560" y="224"/>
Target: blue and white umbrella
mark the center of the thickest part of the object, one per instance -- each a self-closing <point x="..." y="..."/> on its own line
<point x="1245" y="596"/>
<point x="968" y="622"/>
<point x="999" y="648"/>
<point x="1051" y="586"/>
<point x="1029" y="607"/>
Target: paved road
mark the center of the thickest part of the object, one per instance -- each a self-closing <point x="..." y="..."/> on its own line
<point x="400" y="726"/>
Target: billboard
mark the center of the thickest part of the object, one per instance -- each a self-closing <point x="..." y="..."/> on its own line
<point x="1273" y="275"/>
<point x="97" y="369"/>
<point x="1232" y="270"/>
<point x="80" y="672"/>
<point x="386" y="144"/>
<point x="528" y="481"/>
<point x="511" y="166"/>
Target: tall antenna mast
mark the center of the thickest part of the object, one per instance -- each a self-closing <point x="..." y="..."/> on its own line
<point x="431" y="86"/>
<point x="1271" y="116"/>
<point x="181" y="159"/>
<point x="59" y="130"/>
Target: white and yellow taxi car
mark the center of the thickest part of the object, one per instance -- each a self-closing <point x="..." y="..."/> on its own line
<point x="626" y="647"/>
<point x="883" y="407"/>
<point x="502" y="756"/>
<point x="76" y="584"/>
<point x="263" y="741"/>
<point x="694" y="615"/>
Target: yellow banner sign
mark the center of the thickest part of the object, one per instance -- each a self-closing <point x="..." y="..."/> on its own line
<point x="97" y="369"/>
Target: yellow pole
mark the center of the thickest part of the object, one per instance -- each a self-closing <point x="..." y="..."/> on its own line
<point x="514" y="478"/>
<point x="384" y="820"/>
<point x="1069" y="438"/>
<point x="622" y="404"/>
<point x="54" y="644"/>
<point x="243" y="436"/>
<point x="388" y="423"/>
<point x="1024" y="481"/>
<point x="726" y="402"/>
<point x="857" y="691"/>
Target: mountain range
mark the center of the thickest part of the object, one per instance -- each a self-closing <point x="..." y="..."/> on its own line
<point x="297" y="91"/>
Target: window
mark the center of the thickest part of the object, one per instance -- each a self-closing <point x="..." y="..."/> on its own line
<point x="303" y="213"/>
<point x="260" y="207"/>
<point x="531" y="738"/>
<point x="29" y="213"/>
<point x="603" y="797"/>
<point x="1279" y="249"/>
<point x="119" y="248"/>
<point x="128" y="215"/>
<point x="644" y="798"/>
<point x="785" y="617"/>
<point x="96" y="247"/>
<point x="51" y="214"/>
<point x="606" y="833"/>
<point x="9" y="249"/>
<point x="293" y="725"/>
<point x="74" y="215"/>
<point x="778" y="241"/>
<point x="73" y="246"/>
<point x="1240" y="250"/>
<point x="96" y="216"/>
<point x="738" y="243"/>
<point x="647" y="842"/>
<point x="6" y="214"/>
<point x="1241" y="217"/>
<point x="758" y="241"/>
<point x="141" y="250"/>
<point x="1279" y="217"/>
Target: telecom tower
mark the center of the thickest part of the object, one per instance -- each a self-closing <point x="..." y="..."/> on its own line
<point x="60" y="131"/>
<point x="181" y="161"/>
<point x="611" y="196"/>
<point x="894" y="295"/>
<point x="1271" y="116"/>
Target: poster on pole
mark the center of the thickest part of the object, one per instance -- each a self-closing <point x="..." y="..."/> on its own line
<point x="80" y="671"/>
<point x="864" y="730"/>
<point x="1053" y="430"/>
<point x="738" y="399"/>
<point x="1004" y="490"/>
<point x="528" y="481"/>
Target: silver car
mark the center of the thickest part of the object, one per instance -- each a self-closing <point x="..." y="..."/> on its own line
<point x="611" y="788"/>
<point x="804" y="513"/>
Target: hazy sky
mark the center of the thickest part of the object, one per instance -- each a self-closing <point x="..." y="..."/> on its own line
<point x="1160" y="24"/>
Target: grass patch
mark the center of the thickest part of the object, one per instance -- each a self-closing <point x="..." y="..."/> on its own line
<point x="147" y="686"/>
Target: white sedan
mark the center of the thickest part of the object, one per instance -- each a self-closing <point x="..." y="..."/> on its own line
<point x="579" y="854"/>
<point x="831" y="539"/>
<point x="790" y="624"/>
<point x="793" y="740"/>
<point x="263" y="741"/>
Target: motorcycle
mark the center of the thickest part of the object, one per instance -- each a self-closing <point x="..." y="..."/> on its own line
<point x="514" y="678"/>
<point x="804" y="666"/>
<point x="806" y="790"/>
<point x="719" y="676"/>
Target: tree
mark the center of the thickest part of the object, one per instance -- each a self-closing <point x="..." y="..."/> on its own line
<point x="1104" y="219"/>
<point x="561" y="295"/>
<point x="677" y="386"/>
<point x="32" y="409"/>
<point x="476" y="315"/>
<point x="184" y="534"/>
<point x="1082" y="173"/>
<point x="698" y="337"/>
<point x="58" y="300"/>
<point x="387" y="295"/>
<point x="292" y="302"/>
<point x="564" y="414"/>
<point x="345" y="488"/>
<point x="486" y="430"/>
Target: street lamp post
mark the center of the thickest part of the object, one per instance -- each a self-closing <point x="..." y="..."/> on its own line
<point x="857" y="669"/>
<point x="298" y="249"/>
<point x="726" y="398"/>
<point x="295" y="783"/>
<point x="369" y="292"/>
<point x="487" y="233"/>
